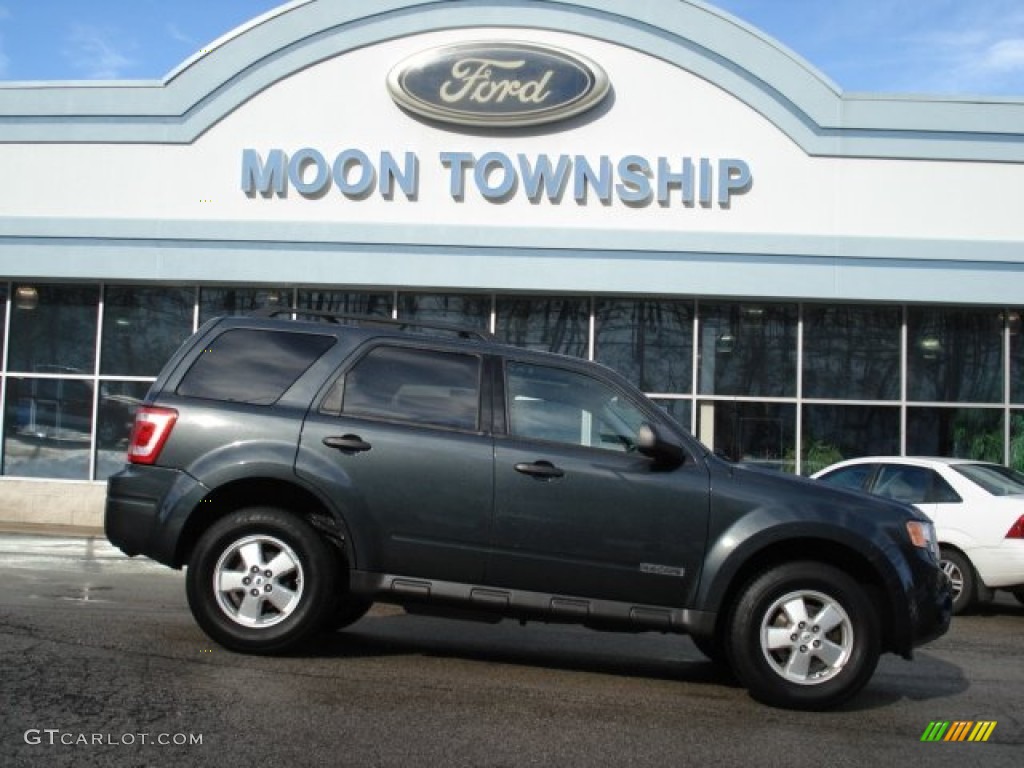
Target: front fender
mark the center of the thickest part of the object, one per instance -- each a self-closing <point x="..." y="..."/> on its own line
<point x="762" y="530"/>
<point x="767" y="536"/>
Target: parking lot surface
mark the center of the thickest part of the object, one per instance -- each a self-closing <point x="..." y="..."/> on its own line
<point x="103" y="665"/>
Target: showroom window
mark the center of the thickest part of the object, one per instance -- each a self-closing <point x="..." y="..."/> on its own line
<point x="458" y="309"/>
<point x="545" y="324"/>
<point x="955" y="355"/>
<point x="1013" y="331"/>
<point x="142" y="326"/>
<point x="835" y="432"/>
<point x="851" y="352"/>
<point x="53" y="329"/>
<point x="48" y="427"/>
<point x="785" y="385"/>
<point x="756" y="433"/>
<point x="650" y="342"/>
<point x="48" y="411"/>
<point x="347" y="302"/>
<point x="233" y="300"/>
<point x="748" y="349"/>
<point x="1015" y="453"/>
<point x="3" y="303"/>
<point x="974" y="433"/>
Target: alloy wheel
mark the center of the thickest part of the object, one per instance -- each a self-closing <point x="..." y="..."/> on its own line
<point x="258" y="581"/>
<point x="807" y="637"/>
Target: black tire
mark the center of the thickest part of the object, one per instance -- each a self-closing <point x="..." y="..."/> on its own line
<point x="965" y="583"/>
<point x="785" y="663"/>
<point x="261" y="580"/>
<point x="1019" y="594"/>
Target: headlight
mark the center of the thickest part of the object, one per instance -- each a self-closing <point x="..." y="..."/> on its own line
<point x="922" y="535"/>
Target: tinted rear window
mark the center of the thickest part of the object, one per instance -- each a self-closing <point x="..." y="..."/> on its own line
<point x="440" y="389"/>
<point x="996" y="479"/>
<point x="252" y="366"/>
<point x="849" y="477"/>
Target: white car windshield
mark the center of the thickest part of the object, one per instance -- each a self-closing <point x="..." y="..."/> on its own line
<point x="994" y="478"/>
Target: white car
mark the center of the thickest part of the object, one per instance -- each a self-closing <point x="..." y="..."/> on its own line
<point x="977" y="508"/>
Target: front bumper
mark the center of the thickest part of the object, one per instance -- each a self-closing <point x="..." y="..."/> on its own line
<point x="931" y="606"/>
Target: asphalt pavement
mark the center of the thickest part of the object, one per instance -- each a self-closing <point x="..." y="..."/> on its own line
<point x="104" y="666"/>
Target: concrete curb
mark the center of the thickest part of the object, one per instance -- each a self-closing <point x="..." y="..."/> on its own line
<point x="64" y="504"/>
<point x="34" y="529"/>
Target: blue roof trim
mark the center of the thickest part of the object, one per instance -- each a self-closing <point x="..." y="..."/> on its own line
<point x="35" y="231"/>
<point x="576" y="263"/>
<point x="725" y="51"/>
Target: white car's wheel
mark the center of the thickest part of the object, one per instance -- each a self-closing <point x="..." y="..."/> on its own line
<point x="961" y="575"/>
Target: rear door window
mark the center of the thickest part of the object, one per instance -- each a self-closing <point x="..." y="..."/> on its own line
<point x="252" y="366"/>
<point x="911" y="485"/>
<point x="430" y="387"/>
<point x="853" y="477"/>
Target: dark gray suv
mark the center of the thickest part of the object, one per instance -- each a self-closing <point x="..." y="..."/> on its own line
<point x="304" y="466"/>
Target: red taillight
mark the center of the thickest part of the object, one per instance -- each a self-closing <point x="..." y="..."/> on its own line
<point x="151" y="429"/>
<point x="1017" y="529"/>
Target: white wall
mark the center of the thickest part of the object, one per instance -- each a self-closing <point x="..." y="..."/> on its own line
<point x="658" y="110"/>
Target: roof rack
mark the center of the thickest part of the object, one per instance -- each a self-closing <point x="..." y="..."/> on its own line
<point x="341" y="318"/>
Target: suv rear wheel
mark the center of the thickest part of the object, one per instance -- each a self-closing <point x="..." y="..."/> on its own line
<point x="805" y="636"/>
<point x="261" y="580"/>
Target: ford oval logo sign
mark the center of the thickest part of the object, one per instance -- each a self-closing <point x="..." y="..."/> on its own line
<point x="497" y="84"/>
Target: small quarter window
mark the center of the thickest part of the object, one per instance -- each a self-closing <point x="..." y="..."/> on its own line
<point x="942" y="492"/>
<point x="252" y="366"/>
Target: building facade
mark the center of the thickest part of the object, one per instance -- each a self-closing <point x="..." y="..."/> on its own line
<point x="797" y="274"/>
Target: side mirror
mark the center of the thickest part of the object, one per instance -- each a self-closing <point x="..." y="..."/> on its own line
<point x="652" y="442"/>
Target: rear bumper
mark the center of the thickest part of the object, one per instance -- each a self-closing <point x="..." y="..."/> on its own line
<point x="999" y="567"/>
<point x="146" y="509"/>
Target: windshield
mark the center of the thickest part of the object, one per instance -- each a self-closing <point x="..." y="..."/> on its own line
<point x="994" y="478"/>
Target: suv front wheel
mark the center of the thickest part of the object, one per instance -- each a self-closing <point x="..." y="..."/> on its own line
<point x="261" y="580"/>
<point x="804" y="636"/>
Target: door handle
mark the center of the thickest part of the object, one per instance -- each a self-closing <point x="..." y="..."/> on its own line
<point x="347" y="443"/>
<point x="542" y="469"/>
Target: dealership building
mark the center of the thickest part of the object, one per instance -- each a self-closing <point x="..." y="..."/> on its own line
<point x="795" y="273"/>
